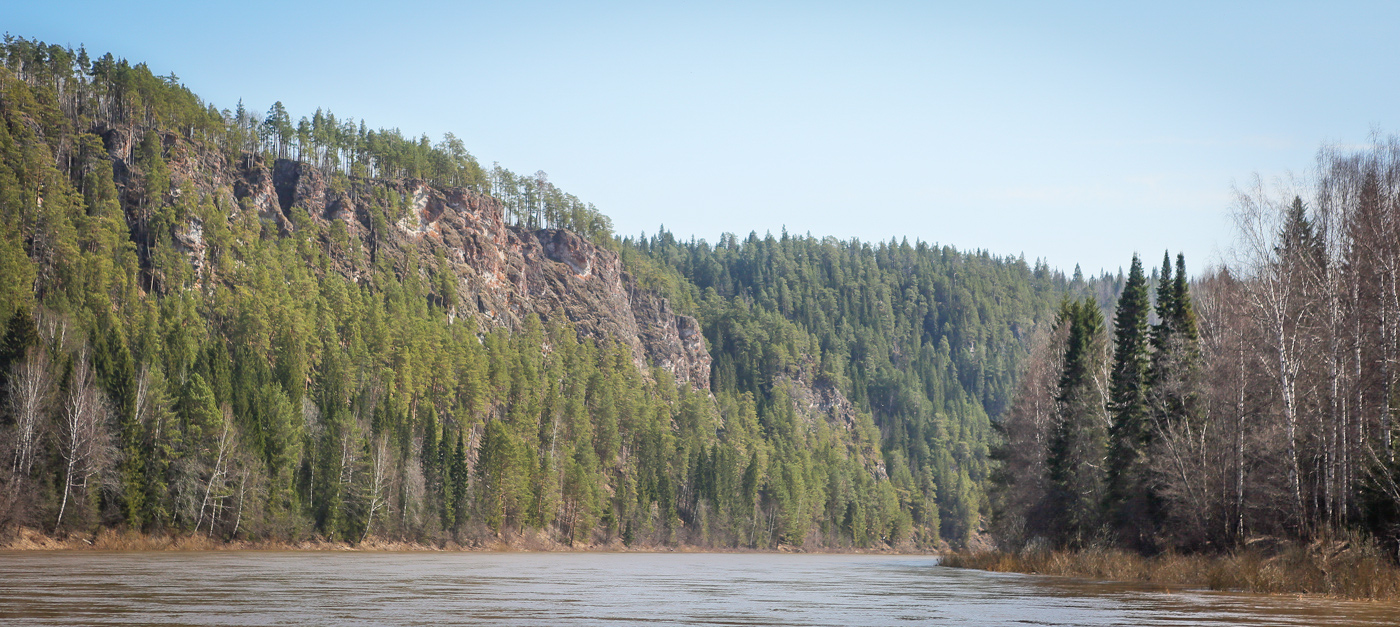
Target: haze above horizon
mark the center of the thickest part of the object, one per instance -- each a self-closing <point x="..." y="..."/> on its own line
<point x="1077" y="135"/>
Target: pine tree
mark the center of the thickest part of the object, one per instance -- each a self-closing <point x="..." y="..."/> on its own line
<point x="494" y="469"/>
<point x="443" y="487"/>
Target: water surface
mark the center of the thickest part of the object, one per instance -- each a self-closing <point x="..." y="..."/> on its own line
<point x="566" y="589"/>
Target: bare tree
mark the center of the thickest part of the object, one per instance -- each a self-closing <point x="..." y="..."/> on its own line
<point x="85" y="442"/>
<point x="1229" y="346"/>
<point x="1026" y="431"/>
<point x="31" y="391"/>
<point x="380" y="462"/>
<point x="217" y="476"/>
<point x="1277" y="300"/>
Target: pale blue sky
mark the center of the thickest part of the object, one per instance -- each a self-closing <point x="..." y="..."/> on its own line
<point x="1077" y="133"/>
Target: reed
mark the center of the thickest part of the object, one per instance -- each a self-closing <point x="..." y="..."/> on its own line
<point x="1350" y="567"/>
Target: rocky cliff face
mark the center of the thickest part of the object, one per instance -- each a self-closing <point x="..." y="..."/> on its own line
<point x="502" y="273"/>
<point x="816" y="400"/>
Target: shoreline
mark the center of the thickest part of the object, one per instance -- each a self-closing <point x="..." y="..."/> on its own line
<point x="1338" y="569"/>
<point x="111" y="540"/>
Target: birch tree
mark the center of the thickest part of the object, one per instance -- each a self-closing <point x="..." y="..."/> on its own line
<point x="380" y="468"/>
<point x="1277" y="300"/>
<point x="30" y="392"/>
<point x="84" y="441"/>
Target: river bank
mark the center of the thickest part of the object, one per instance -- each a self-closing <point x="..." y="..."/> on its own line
<point x="28" y="539"/>
<point x="1350" y="569"/>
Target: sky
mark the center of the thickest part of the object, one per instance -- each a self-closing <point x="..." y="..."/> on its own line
<point x="1077" y="133"/>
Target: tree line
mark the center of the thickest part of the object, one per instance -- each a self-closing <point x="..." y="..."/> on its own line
<point x="1257" y="401"/>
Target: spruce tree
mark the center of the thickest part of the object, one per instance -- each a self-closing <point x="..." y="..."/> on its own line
<point x="1079" y="443"/>
<point x="1166" y="304"/>
<point x="1183" y="314"/>
<point x="20" y="334"/>
<point x="1175" y="362"/>
<point x="452" y="450"/>
<point x="460" y="479"/>
<point x="429" y="455"/>
<point x="116" y="370"/>
<point x="1128" y="504"/>
<point x="1297" y="240"/>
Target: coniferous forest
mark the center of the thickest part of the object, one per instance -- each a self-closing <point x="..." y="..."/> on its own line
<point x="192" y="346"/>
<point x="249" y="326"/>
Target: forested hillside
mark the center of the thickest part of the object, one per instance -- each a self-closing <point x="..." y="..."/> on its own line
<point x="235" y="325"/>
<point x="923" y="342"/>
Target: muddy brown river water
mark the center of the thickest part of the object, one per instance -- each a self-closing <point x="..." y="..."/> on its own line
<point x="565" y="589"/>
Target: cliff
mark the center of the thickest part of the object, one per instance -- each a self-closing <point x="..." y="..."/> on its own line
<point x="500" y="273"/>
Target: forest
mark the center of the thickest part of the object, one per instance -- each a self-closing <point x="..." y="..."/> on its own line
<point x="923" y="341"/>
<point x="173" y="362"/>
<point x="1255" y="404"/>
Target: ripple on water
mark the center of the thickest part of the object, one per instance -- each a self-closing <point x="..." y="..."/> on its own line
<point x="351" y="589"/>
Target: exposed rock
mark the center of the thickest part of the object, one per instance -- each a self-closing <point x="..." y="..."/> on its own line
<point x="816" y="399"/>
<point x="189" y="239"/>
<point x="504" y="273"/>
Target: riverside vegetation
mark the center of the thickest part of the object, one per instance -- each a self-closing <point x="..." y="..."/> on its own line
<point x="1249" y="415"/>
<point x="255" y="331"/>
<point x="252" y="329"/>
<point x="1351" y="567"/>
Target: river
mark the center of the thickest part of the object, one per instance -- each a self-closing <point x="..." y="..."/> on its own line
<point x="566" y="589"/>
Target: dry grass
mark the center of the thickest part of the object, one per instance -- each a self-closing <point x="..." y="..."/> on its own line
<point x="1352" y="568"/>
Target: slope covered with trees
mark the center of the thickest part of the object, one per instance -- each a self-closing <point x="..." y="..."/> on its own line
<point x="175" y="359"/>
<point x="924" y="343"/>
<point x="239" y="327"/>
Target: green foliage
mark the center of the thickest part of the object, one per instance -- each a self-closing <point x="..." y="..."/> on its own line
<point x="1130" y="505"/>
<point x="1079" y="443"/>
<point x="1176" y="361"/>
<point x="925" y="341"/>
<point x="265" y="381"/>
<point x="1093" y="446"/>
